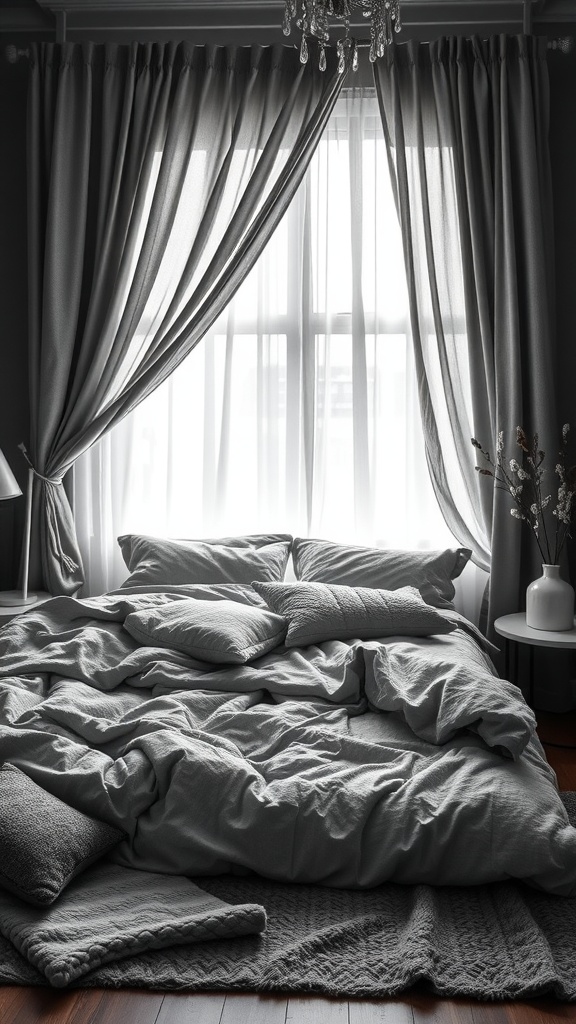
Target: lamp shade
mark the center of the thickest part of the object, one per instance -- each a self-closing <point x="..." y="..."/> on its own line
<point x="8" y="484"/>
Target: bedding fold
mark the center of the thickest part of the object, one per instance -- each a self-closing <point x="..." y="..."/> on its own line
<point x="343" y="763"/>
<point x="434" y="697"/>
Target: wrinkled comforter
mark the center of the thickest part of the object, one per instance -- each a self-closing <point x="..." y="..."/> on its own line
<point x="346" y="763"/>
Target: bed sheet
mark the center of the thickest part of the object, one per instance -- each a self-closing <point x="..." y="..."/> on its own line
<point x="344" y="763"/>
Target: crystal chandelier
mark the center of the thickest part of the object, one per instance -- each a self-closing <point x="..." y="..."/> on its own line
<point x="312" y="18"/>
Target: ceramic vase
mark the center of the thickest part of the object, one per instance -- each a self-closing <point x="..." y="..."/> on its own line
<point x="550" y="601"/>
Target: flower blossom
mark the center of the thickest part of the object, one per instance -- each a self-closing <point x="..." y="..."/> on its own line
<point x="523" y="477"/>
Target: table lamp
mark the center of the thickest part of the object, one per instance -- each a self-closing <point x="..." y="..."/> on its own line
<point x="9" y="489"/>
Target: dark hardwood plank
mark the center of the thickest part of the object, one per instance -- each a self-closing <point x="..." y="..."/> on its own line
<point x="86" y="1006"/>
<point x="11" y="996"/>
<point x="316" y="1010"/>
<point x="560" y="729"/>
<point x="491" y="1013"/>
<point x="380" y="1011"/>
<point x="564" y="764"/>
<point x="551" y="1011"/>
<point x="536" y="1011"/>
<point x="192" y="1008"/>
<point x="42" y="1005"/>
<point x="124" y="1006"/>
<point x="564" y="777"/>
<point x="540" y="1011"/>
<point x="249" y="1008"/>
<point x="428" y="1009"/>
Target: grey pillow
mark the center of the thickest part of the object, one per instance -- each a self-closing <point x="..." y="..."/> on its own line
<point x="431" y="572"/>
<point x="247" y="540"/>
<point x="217" y="631"/>
<point x="157" y="560"/>
<point x="44" y="842"/>
<point x="322" y="611"/>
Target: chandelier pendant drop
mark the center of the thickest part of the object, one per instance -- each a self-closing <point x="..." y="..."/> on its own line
<point x="312" y="17"/>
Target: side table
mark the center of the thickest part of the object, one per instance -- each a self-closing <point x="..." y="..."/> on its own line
<point x="8" y="612"/>
<point x="515" y="632"/>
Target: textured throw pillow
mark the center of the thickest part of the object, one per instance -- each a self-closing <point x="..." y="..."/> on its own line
<point x="44" y="842"/>
<point x="156" y="560"/>
<point x="431" y="572"/>
<point x="217" y="631"/>
<point x="321" y="611"/>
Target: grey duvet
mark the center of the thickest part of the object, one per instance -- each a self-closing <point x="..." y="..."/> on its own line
<point x="345" y="763"/>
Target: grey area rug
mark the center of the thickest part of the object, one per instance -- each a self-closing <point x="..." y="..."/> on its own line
<point x="501" y="941"/>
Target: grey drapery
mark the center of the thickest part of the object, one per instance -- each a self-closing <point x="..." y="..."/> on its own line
<point x="466" y="124"/>
<point x="130" y="148"/>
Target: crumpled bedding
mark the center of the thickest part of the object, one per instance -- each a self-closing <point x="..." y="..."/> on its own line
<point x="344" y="763"/>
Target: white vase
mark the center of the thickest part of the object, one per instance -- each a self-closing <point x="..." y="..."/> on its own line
<point x="550" y="601"/>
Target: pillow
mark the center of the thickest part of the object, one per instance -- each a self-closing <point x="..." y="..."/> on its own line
<point x="247" y="540"/>
<point x="44" y="842"/>
<point x="220" y="631"/>
<point x="157" y="560"/>
<point x="321" y="611"/>
<point x="432" y="572"/>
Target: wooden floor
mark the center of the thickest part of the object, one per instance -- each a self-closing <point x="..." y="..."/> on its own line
<point x="101" y="1006"/>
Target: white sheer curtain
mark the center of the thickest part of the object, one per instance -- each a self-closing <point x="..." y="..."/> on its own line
<point x="298" y="411"/>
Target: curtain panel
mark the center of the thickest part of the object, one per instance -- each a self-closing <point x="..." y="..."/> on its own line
<point x="130" y="147"/>
<point x="466" y="125"/>
<point x="301" y="397"/>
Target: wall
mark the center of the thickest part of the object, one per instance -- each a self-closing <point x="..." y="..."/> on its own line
<point x="13" y="302"/>
<point x="13" y="317"/>
<point x="562" y="70"/>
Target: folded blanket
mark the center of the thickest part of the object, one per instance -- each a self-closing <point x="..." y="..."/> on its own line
<point x="111" y="912"/>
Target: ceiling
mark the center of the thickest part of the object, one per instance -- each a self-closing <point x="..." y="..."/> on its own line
<point x="242" y="21"/>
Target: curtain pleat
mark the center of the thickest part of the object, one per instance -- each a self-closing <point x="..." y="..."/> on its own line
<point x="466" y="125"/>
<point x="130" y="148"/>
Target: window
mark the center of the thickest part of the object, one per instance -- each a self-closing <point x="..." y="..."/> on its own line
<point x="299" y="410"/>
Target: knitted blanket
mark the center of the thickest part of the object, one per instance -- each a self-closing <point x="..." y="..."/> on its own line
<point x="111" y="912"/>
<point x="499" y="941"/>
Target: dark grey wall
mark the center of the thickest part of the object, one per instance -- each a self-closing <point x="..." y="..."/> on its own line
<point x="562" y="70"/>
<point x="13" y="256"/>
<point x="13" y="301"/>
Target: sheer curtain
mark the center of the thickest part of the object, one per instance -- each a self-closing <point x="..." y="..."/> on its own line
<point x="299" y="409"/>
<point x="466" y="121"/>
<point x="157" y="173"/>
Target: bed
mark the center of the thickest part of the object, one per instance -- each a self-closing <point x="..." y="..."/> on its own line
<point x="344" y="728"/>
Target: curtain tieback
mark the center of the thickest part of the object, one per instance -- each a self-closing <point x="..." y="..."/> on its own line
<point x="65" y="561"/>
<point x="47" y="479"/>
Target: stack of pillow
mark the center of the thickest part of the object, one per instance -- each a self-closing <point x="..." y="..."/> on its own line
<point x="341" y="592"/>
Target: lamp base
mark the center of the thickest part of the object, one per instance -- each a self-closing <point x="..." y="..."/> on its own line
<point x="9" y="598"/>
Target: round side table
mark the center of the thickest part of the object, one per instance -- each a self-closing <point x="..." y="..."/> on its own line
<point x="515" y="632"/>
<point x="10" y="611"/>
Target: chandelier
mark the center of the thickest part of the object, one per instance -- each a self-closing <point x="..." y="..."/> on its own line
<point x="312" y="18"/>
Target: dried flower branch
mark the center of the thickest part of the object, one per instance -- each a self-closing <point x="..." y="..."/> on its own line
<point x="524" y="483"/>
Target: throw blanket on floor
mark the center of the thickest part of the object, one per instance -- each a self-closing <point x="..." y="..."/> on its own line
<point x="111" y="912"/>
<point x="500" y="941"/>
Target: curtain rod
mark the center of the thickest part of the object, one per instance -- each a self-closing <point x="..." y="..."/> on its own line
<point x="563" y="43"/>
